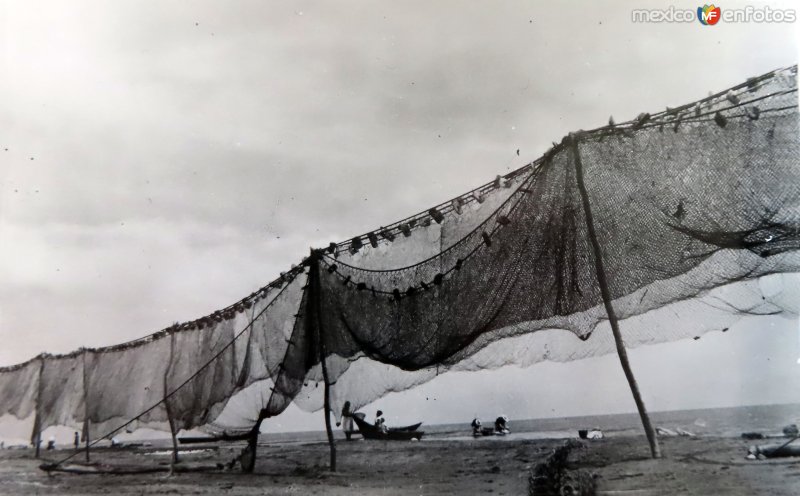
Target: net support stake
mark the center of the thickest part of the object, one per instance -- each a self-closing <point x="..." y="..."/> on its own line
<point x="167" y="407"/>
<point x="85" y="406"/>
<point x="86" y="437"/>
<point x="317" y="320"/>
<point x="248" y="458"/>
<point x="602" y="281"/>
<point x="37" y="418"/>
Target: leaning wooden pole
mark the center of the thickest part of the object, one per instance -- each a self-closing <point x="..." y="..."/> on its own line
<point x="248" y="457"/>
<point x="602" y="281"/>
<point x="315" y="306"/>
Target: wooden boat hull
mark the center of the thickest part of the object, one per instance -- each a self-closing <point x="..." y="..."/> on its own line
<point x="408" y="428"/>
<point x="369" y="431"/>
<point x="213" y="439"/>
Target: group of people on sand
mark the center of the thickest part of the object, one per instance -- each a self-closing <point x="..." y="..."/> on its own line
<point x="500" y="427"/>
<point x="348" y="424"/>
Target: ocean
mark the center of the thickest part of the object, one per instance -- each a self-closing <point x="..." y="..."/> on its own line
<point x="721" y="422"/>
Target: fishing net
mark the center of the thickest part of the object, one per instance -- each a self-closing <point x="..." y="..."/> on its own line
<point x="719" y="310"/>
<point x="691" y="217"/>
<point x="19" y="385"/>
<point x="186" y="373"/>
<point x="693" y="199"/>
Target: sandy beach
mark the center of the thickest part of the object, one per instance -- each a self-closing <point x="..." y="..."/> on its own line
<point x="706" y="465"/>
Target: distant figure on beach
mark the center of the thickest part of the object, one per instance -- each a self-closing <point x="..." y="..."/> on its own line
<point x="476" y="426"/>
<point x="380" y="422"/>
<point x="76" y="441"/>
<point x="501" y="425"/>
<point x="51" y="443"/>
<point x="347" y="420"/>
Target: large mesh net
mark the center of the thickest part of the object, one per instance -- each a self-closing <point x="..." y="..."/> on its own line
<point x="691" y="216"/>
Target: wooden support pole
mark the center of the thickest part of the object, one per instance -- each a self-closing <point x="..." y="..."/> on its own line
<point x="315" y="306"/>
<point x="602" y="281"/>
<point x="248" y="465"/>
<point x="328" y="428"/>
<point x="248" y="457"/>
<point x="37" y="436"/>
<point x="37" y="418"/>
<point x="86" y="437"/>
<point x="85" y="405"/>
<point x="170" y="419"/>
<point x="174" y="439"/>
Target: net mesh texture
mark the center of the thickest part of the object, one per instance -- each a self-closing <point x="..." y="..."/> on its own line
<point x="696" y="211"/>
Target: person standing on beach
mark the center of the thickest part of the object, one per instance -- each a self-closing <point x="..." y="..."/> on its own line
<point x="347" y="420"/>
<point x="76" y="441"/>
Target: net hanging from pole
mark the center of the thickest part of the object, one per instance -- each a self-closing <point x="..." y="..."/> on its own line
<point x="696" y="209"/>
<point x="691" y="206"/>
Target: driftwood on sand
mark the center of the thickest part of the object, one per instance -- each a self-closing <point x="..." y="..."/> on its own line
<point x="97" y="468"/>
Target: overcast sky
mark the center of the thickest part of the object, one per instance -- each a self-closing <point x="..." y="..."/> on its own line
<point x="161" y="159"/>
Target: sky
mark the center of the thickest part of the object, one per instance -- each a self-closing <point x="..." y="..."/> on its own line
<point x="159" y="160"/>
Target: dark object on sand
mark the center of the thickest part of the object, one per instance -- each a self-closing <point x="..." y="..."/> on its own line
<point x="487" y="431"/>
<point x="593" y="434"/>
<point x="791" y="431"/>
<point x="213" y="439"/>
<point x="774" y="450"/>
<point x="124" y="469"/>
<point x="554" y="478"/>
<point x="369" y="431"/>
<point x="752" y="435"/>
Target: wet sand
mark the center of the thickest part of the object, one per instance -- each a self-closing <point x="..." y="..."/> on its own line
<point x="700" y="466"/>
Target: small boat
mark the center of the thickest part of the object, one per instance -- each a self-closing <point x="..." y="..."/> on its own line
<point x="408" y="428"/>
<point x="369" y="431"/>
<point x="214" y="439"/>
